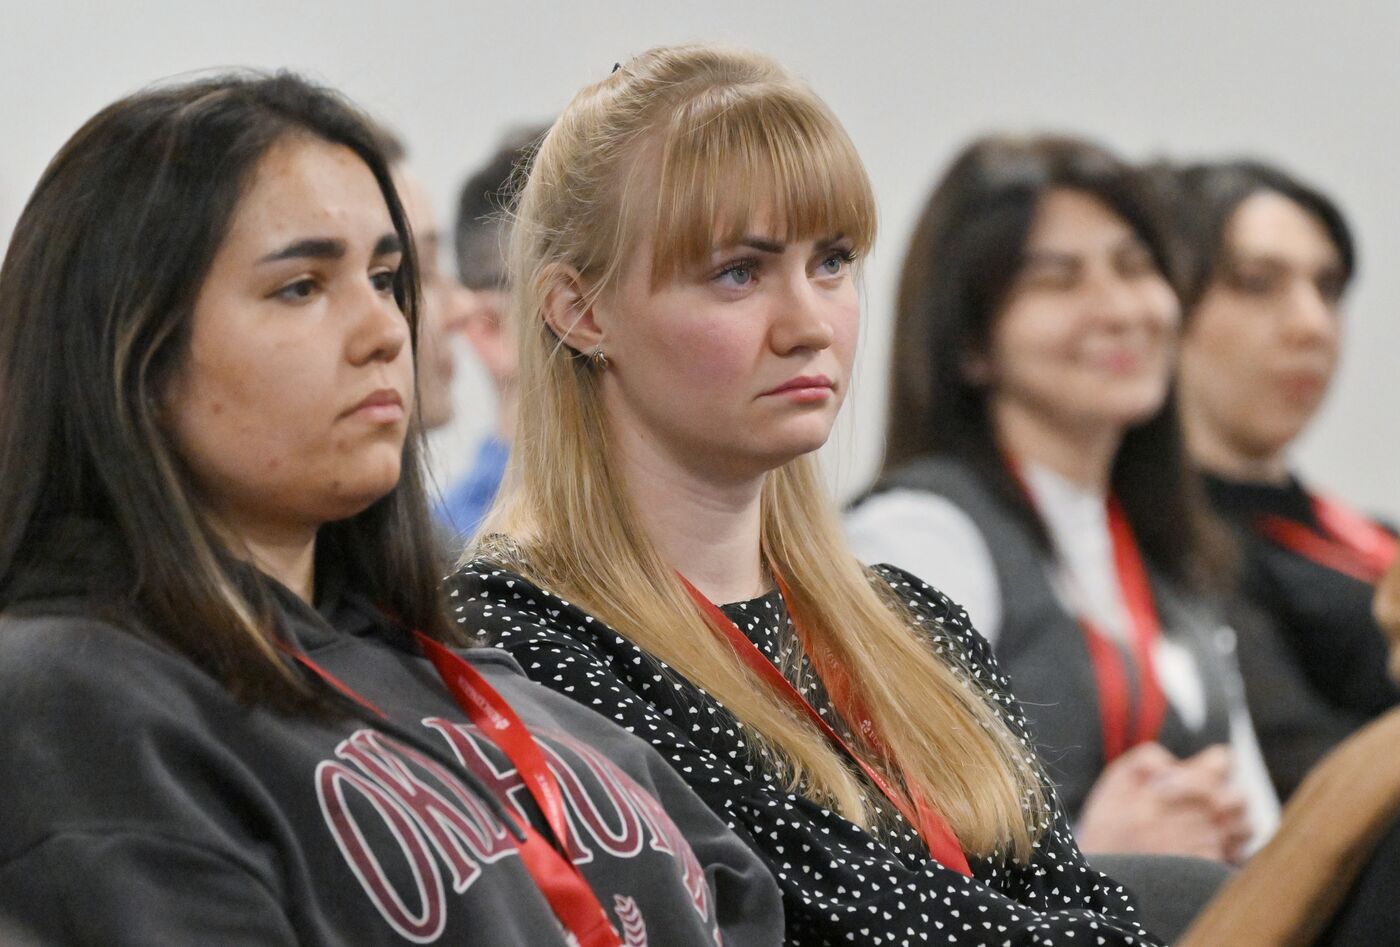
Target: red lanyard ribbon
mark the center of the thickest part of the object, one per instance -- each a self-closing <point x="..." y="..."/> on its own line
<point x="1136" y="589"/>
<point x="569" y="895"/>
<point x="1123" y="725"/>
<point x="940" y="840"/>
<point x="1347" y="542"/>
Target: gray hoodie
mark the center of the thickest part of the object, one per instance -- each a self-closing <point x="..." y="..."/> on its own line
<point x="142" y="804"/>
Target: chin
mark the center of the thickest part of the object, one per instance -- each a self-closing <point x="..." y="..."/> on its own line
<point x="352" y="496"/>
<point x="344" y="506"/>
<point x="781" y="451"/>
<point x="1275" y="437"/>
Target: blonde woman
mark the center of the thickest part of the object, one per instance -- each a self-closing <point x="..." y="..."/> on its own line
<point x="683" y="258"/>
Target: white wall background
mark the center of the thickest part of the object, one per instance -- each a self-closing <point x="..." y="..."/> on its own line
<point x="1314" y="85"/>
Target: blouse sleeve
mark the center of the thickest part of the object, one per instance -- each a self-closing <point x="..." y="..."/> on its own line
<point x="930" y="535"/>
<point x="839" y="883"/>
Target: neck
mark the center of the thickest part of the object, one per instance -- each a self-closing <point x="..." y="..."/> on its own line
<point x="287" y="554"/>
<point x="1082" y="454"/>
<point x="707" y="528"/>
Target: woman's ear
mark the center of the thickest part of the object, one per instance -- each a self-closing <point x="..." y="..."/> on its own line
<point x="568" y="309"/>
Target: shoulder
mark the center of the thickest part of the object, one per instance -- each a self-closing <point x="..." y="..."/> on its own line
<point x="493" y="663"/>
<point x="103" y="730"/>
<point x="943" y="620"/>
<point x="906" y="510"/>
<point x="926" y="533"/>
<point x="555" y="640"/>
<point x="494" y="603"/>
<point x="557" y="715"/>
<point x="949" y="632"/>
<point x="53" y="661"/>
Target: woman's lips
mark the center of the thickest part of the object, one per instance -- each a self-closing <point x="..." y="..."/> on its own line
<point x="805" y="389"/>
<point x="1119" y="361"/>
<point x="382" y="406"/>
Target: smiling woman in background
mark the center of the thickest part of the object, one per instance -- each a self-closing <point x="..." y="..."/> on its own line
<point x="1034" y="469"/>
<point x="227" y="713"/>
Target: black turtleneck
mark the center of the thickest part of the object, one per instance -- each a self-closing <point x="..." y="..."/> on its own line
<point x="1323" y="615"/>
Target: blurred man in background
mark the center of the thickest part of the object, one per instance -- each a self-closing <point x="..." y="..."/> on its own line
<point x="481" y="237"/>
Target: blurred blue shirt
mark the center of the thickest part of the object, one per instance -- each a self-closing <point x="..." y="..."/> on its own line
<point x="466" y="502"/>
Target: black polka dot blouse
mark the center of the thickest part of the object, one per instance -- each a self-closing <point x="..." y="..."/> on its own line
<point x="841" y="884"/>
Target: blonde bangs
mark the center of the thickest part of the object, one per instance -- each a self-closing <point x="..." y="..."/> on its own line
<point x="769" y="157"/>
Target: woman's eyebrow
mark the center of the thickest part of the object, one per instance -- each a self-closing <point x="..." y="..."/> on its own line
<point x="329" y="248"/>
<point x="761" y="244"/>
<point x="1049" y="258"/>
<point x="312" y="248"/>
<point x="769" y="245"/>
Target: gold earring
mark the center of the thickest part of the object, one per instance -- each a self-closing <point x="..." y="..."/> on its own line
<point x="598" y="358"/>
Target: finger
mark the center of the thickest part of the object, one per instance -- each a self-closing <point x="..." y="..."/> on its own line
<point x="1215" y="759"/>
<point x="1183" y="786"/>
<point x="1230" y="806"/>
<point x="1236" y="843"/>
<point x="1233" y="813"/>
<point x="1146" y="759"/>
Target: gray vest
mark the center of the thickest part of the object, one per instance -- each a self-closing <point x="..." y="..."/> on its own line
<point x="1041" y="645"/>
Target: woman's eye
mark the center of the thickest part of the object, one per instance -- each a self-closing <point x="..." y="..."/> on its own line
<point x="1136" y="262"/>
<point x="737" y="274"/>
<point x="1331" y="288"/>
<point x="1255" y="284"/>
<point x="384" y="280"/>
<point x="1051" y="278"/>
<point x="836" y="262"/>
<point x="298" y="291"/>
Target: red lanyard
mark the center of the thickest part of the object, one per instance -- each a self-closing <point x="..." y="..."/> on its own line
<point x="1123" y="728"/>
<point x="569" y="895"/>
<point x="942" y="844"/>
<point x="1136" y="589"/>
<point x="1347" y="542"/>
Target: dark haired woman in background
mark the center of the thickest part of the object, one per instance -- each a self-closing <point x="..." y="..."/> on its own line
<point x="1035" y="470"/>
<point x="1269" y="259"/>
<point x="226" y="712"/>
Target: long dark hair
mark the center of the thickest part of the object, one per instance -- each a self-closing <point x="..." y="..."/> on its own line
<point x="963" y="259"/>
<point x="1204" y="197"/>
<point x="97" y="293"/>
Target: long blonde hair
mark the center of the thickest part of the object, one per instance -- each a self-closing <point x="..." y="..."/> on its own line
<point x="668" y="145"/>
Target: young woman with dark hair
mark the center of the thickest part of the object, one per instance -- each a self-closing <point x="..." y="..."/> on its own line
<point x="1269" y="260"/>
<point x="683" y="274"/>
<point x="1034" y="468"/>
<point x="228" y="709"/>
